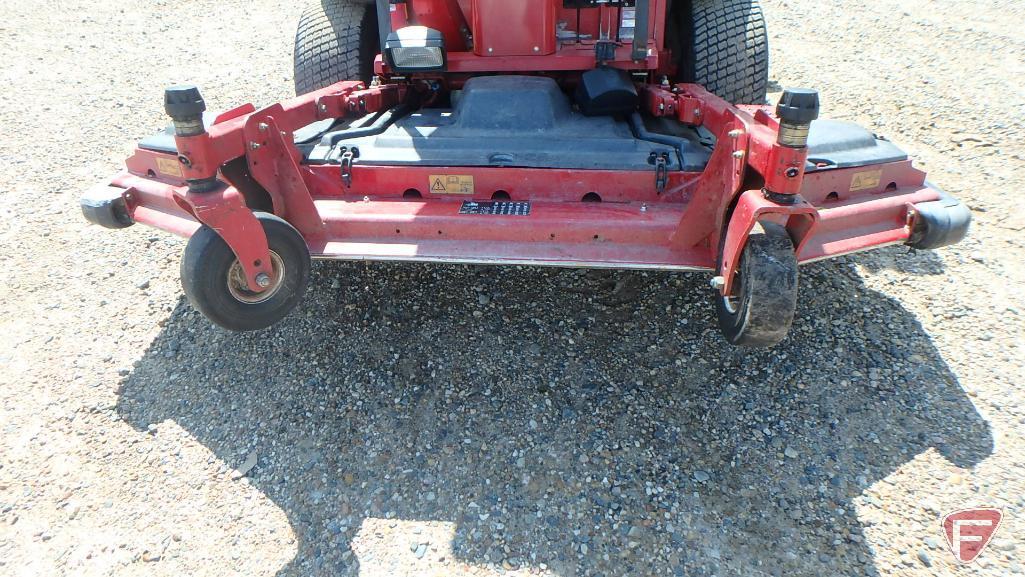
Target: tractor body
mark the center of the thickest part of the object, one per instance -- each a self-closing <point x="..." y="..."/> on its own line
<point x="542" y="132"/>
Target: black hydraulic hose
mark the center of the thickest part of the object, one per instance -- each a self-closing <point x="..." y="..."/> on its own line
<point x="641" y="132"/>
<point x="386" y="119"/>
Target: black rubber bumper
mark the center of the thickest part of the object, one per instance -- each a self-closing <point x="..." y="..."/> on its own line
<point x="105" y="205"/>
<point x="939" y="223"/>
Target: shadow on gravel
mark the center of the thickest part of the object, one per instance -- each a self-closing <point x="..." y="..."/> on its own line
<point x="903" y="260"/>
<point x="592" y="422"/>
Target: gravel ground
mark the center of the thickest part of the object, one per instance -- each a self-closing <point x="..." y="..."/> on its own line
<point x="415" y="420"/>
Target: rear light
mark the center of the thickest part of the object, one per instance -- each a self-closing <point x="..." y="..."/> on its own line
<point x="415" y="48"/>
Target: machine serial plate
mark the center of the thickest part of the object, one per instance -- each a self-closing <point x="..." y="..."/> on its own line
<point x="495" y="208"/>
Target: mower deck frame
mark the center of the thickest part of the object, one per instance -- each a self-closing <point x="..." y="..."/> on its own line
<point x="365" y="215"/>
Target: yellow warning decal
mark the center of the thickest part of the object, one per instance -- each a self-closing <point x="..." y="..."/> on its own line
<point x="866" y="180"/>
<point x="451" y="183"/>
<point x="169" y="166"/>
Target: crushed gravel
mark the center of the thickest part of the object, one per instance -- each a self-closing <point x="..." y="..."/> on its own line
<point x="422" y="420"/>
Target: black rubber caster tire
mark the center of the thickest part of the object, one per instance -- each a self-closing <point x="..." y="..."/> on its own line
<point x="765" y="289"/>
<point x="212" y="281"/>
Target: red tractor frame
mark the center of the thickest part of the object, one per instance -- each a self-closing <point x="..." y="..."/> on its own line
<point x="257" y="207"/>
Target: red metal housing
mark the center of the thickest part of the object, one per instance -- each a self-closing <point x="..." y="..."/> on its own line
<point x="521" y="36"/>
<point x="633" y="227"/>
<point x="668" y="220"/>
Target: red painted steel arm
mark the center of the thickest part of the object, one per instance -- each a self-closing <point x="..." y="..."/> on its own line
<point x="202" y="155"/>
<point x="746" y="139"/>
<point x="244" y="132"/>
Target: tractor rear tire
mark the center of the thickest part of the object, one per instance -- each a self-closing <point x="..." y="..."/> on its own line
<point x="726" y="49"/>
<point x="761" y="310"/>
<point x="336" y="40"/>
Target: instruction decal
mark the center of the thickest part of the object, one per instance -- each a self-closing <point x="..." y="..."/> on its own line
<point x="169" y="166"/>
<point x="451" y="183"/>
<point x="866" y="180"/>
<point x="495" y="208"/>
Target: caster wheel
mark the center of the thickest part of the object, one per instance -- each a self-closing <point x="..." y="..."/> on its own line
<point x="761" y="309"/>
<point x="214" y="282"/>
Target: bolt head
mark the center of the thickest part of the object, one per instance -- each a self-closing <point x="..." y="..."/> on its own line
<point x="735" y="133"/>
<point x="262" y="127"/>
<point x="254" y="145"/>
<point x="738" y="154"/>
<point x="718" y="282"/>
<point x="263" y="280"/>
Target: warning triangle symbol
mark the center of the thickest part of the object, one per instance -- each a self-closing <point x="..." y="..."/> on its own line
<point x="438" y="185"/>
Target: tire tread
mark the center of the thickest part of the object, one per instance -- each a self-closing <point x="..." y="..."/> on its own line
<point x="334" y="41"/>
<point x="769" y="267"/>
<point x="731" y="49"/>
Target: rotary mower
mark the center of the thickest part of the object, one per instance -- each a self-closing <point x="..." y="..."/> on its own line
<point x="629" y="134"/>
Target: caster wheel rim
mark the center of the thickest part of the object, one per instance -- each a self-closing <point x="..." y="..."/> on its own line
<point x="731" y="304"/>
<point x="239" y="288"/>
<point x="735" y="302"/>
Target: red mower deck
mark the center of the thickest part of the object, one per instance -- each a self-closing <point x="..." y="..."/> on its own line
<point x="758" y="181"/>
